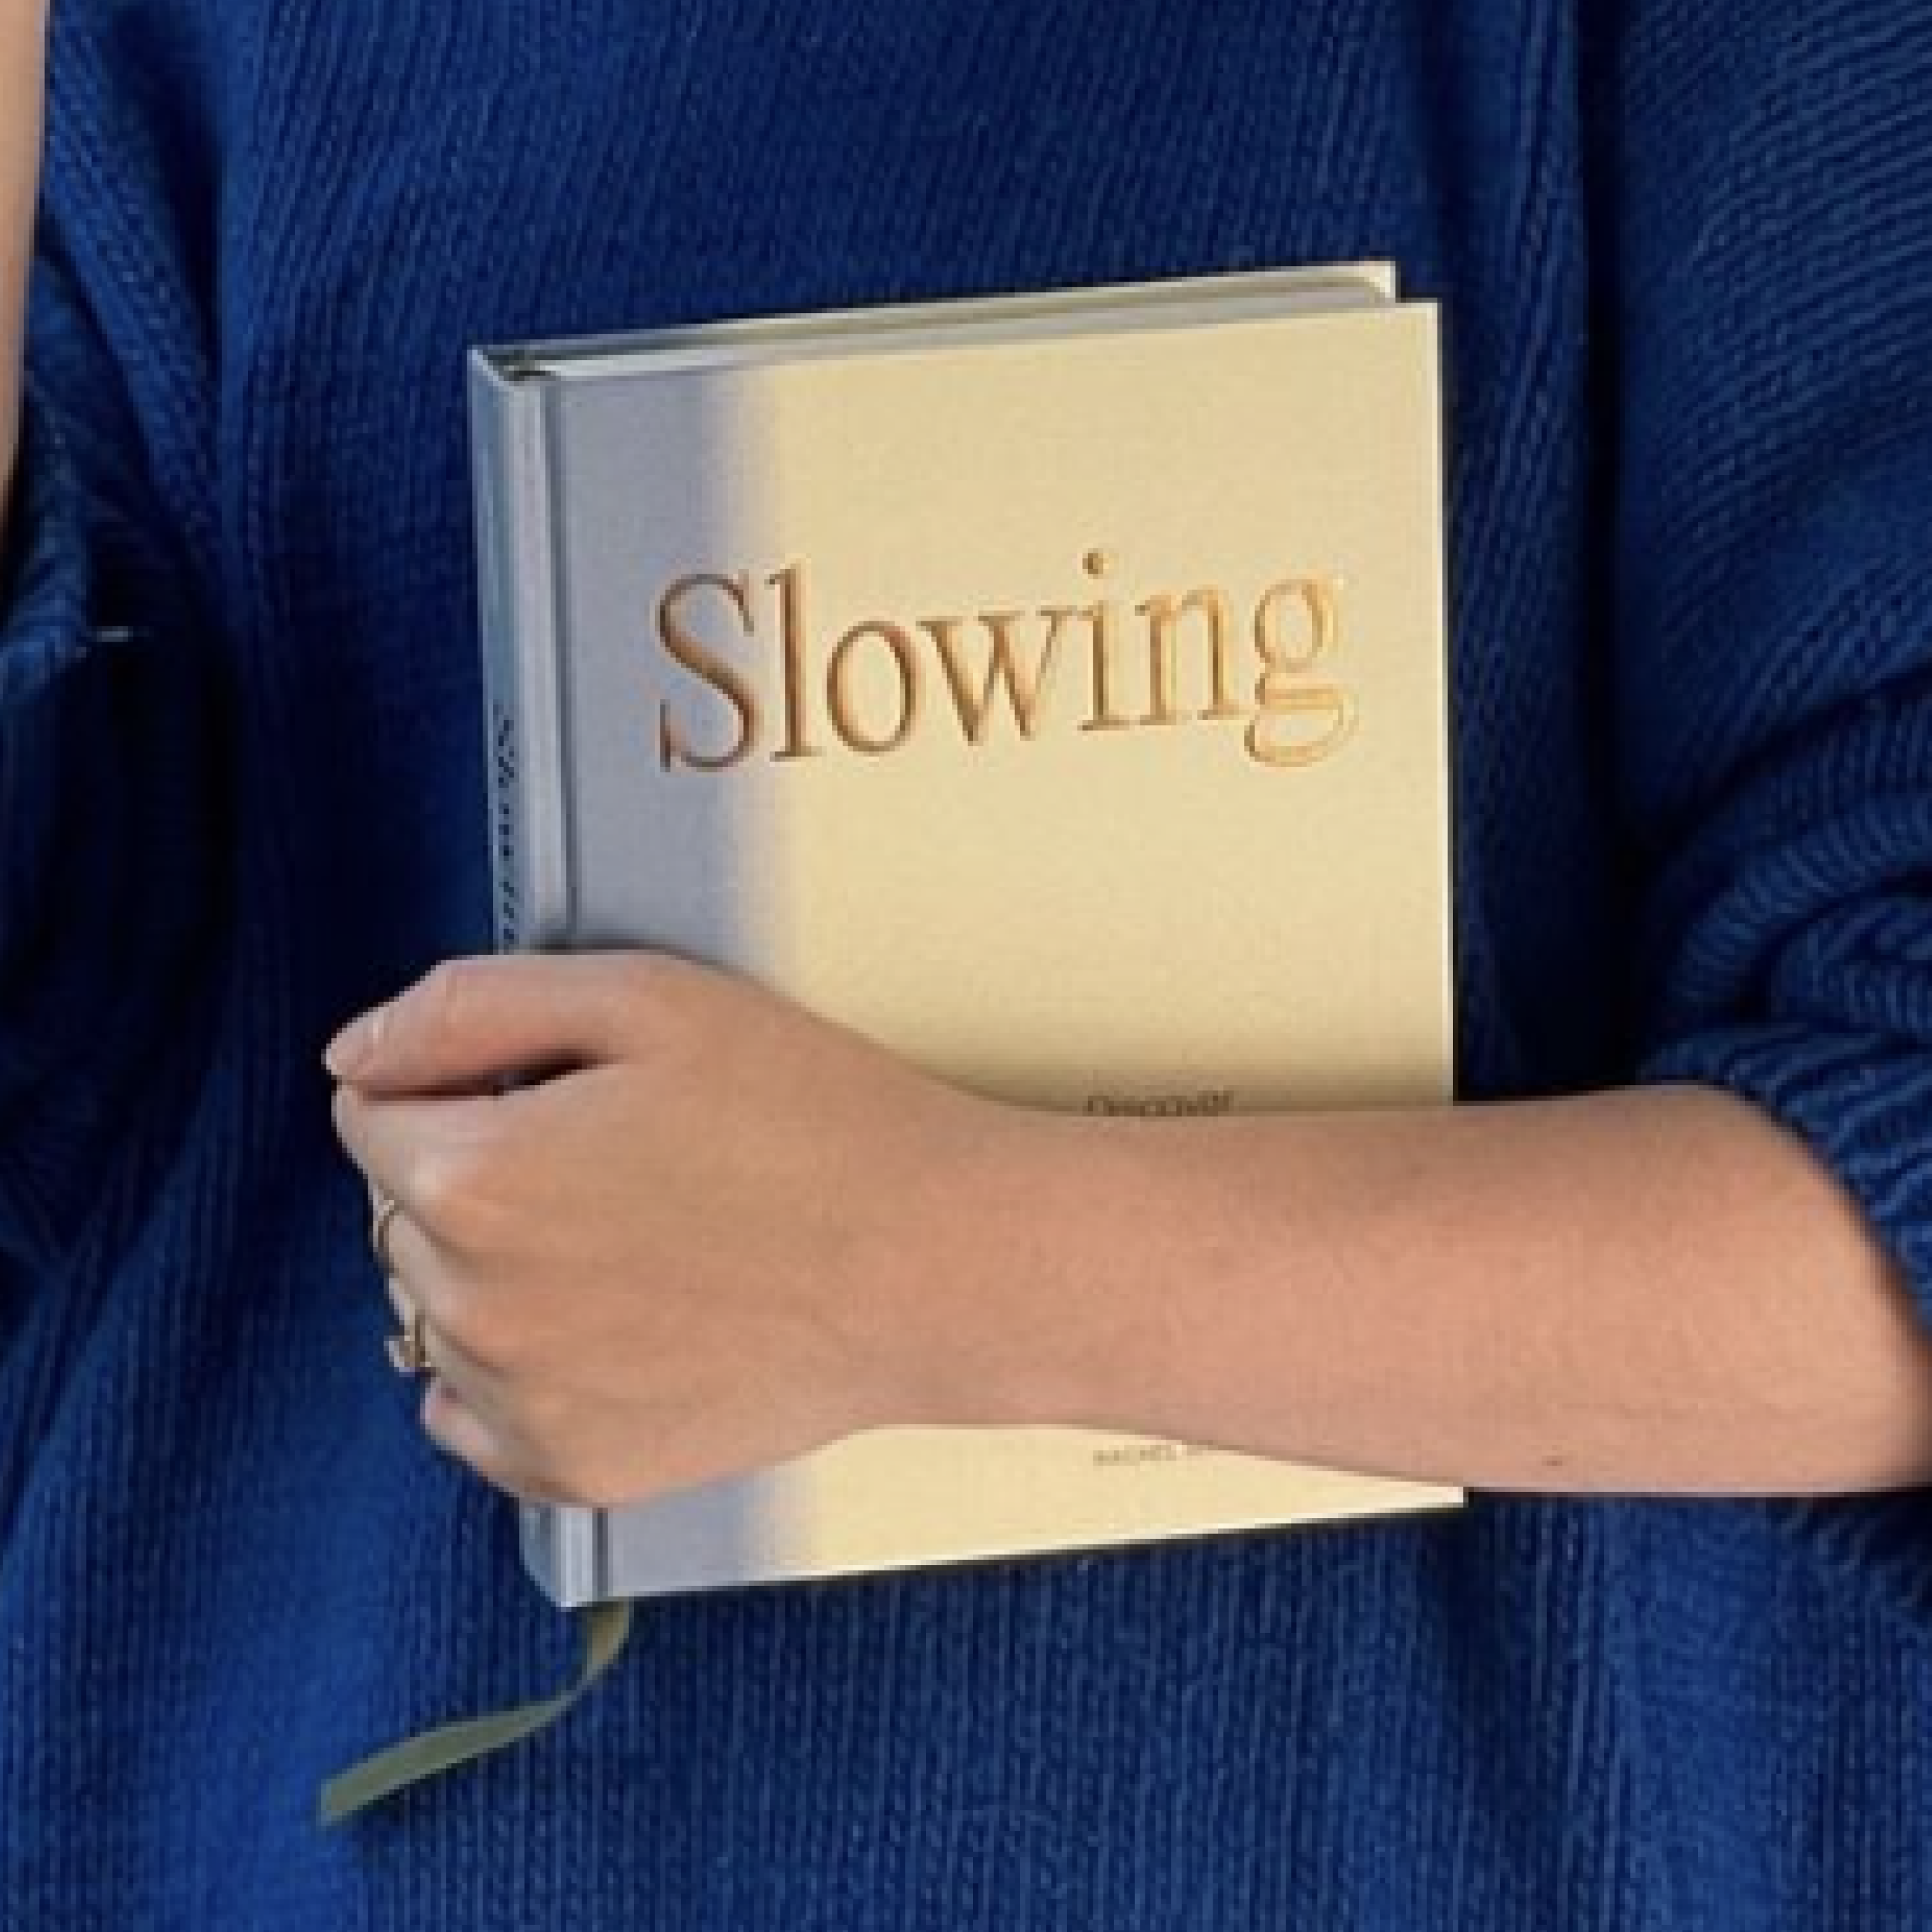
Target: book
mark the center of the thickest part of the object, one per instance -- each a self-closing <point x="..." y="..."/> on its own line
<point x="1051" y="687"/>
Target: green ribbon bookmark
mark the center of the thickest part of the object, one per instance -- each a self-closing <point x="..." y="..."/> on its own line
<point x="606" y="1627"/>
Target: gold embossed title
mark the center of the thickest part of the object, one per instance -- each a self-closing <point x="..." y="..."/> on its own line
<point x="1003" y="663"/>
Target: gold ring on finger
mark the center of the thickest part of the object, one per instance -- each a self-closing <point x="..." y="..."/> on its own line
<point x="408" y="1351"/>
<point x="386" y="1209"/>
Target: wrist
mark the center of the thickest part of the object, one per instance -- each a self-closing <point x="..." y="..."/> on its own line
<point x="1020" y="1301"/>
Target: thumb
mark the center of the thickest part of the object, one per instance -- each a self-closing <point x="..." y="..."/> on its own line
<point x="471" y="1021"/>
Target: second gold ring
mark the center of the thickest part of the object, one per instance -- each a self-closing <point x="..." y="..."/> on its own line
<point x="387" y="1207"/>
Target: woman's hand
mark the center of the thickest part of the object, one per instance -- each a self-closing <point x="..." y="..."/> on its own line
<point x="23" y="33"/>
<point x="711" y="1238"/>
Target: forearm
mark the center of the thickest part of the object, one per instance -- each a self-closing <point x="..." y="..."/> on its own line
<point x="1655" y="1290"/>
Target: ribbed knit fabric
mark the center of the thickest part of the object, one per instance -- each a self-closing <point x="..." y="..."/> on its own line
<point x="1686" y="255"/>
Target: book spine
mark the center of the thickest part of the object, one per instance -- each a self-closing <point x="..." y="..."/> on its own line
<point x="522" y="670"/>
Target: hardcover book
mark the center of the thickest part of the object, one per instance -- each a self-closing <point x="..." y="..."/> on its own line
<point x="1051" y="688"/>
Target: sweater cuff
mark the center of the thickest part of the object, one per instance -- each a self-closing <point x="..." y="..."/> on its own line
<point x="1862" y="1100"/>
<point x="43" y="579"/>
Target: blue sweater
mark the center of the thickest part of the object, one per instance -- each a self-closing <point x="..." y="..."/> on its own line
<point x="1686" y="255"/>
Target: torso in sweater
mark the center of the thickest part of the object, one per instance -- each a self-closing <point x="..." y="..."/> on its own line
<point x="231" y="1564"/>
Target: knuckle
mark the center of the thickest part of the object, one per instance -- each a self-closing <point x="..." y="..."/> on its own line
<point x="434" y="1190"/>
<point x="448" y="1422"/>
<point x="439" y="1408"/>
<point x="646" y="995"/>
<point x="485" y="1330"/>
<point x="642" y="976"/>
<point x="569" y="1475"/>
<point x="447" y="991"/>
<point x="543" y="1420"/>
<point x="459" y="1192"/>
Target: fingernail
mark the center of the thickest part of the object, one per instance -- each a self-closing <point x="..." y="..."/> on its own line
<point x="354" y="1046"/>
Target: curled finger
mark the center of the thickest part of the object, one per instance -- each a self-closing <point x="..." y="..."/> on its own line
<point x="468" y="1434"/>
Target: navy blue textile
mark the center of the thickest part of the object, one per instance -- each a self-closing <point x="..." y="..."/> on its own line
<point x="1686" y="255"/>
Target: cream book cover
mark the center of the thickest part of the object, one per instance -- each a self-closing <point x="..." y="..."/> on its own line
<point x="1052" y="689"/>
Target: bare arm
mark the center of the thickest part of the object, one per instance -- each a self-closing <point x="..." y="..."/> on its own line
<point x="1655" y="1290"/>
<point x="22" y="63"/>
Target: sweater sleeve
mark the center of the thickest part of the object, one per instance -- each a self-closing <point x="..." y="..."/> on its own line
<point x="1766" y="188"/>
<point x="108" y="871"/>
<point x="43" y="621"/>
